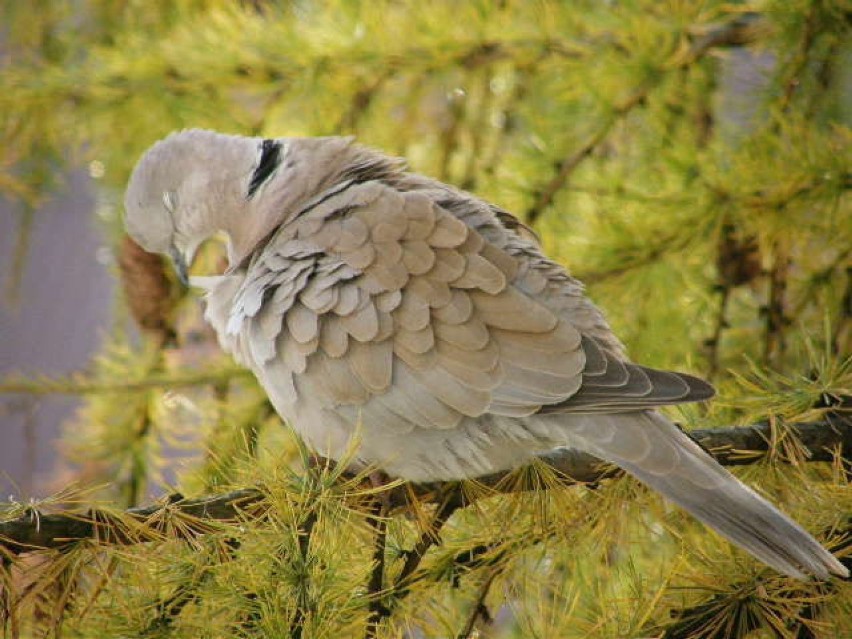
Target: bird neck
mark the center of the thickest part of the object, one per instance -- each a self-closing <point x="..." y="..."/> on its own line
<point x="307" y="167"/>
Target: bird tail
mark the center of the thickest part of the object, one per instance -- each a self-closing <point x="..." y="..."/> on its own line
<point x="655" y="451"/>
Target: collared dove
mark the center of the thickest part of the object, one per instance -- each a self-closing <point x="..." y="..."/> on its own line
<point x="371" y="300"/>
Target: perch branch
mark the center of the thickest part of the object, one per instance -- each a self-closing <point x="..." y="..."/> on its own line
<point x="32" y="530"/>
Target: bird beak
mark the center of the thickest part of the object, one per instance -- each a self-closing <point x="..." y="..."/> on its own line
<point x="180" y="265"/>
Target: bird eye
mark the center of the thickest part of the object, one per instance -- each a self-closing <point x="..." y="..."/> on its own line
<point x="170" y="201"/>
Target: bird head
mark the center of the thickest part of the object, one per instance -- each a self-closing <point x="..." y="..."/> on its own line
<point x="194" y="184"/>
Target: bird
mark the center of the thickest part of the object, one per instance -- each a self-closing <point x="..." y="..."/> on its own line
<point x="379" y="306"/>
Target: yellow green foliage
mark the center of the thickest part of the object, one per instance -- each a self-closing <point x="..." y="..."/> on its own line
<point x="689" y="160"/>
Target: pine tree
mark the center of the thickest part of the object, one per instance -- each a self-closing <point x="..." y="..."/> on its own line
<point x="688" y="160"/>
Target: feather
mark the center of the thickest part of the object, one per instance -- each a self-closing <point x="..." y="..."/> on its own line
<point x="484" y="359"/>
<point x="433" y="292"/>
<point x="458" y="310"/>
<point x="372" y="364"/>
<point x="418" y="257"/>
<point x="447" y="266"/>
<point x="449" y="232"/>
<point x="388" y="253"/>
<point x="328" y="235"/>
<point x="472" y="378"/>
<point x="416" y="341"/>
<point x="390" y="277"/>
<point x="334" y="339"/>
<point x="501" y="260"/>
<point x="387" y="302"/>
<point x="338" y="381"/>
<point x="554" y="362"/>
<point x="563" y="337"/>
<point x="513" y="311"/>
<point x="470" y="336"/>
<point x="420" y="227"/>
<point x="391" y="230"/>
<point x="678" y="468"/>
<point x="347" y="299"/>
<point x="413" y="313"/>
<point x="467" y="401"/>
<point x="302" y="323"/>
<point x="386" y="326"/>
<point x="360" y="257"/>
<point x="353" y="234"/>
<point x="416" y="361"/>
<point x="409" y="392"/>
<point x="362" y="324"/>
<point x="481" y="274"/>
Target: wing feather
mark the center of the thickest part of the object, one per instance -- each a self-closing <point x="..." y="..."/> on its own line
<point x="386" y="299"/>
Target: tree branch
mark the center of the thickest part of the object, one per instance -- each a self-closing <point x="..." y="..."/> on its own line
<point x="81" y="384"/>
<point x="188" y="518"/>
<point x="742" y="30"/>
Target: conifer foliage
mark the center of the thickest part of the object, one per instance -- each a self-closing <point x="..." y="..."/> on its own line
<point x="690" y="161"/>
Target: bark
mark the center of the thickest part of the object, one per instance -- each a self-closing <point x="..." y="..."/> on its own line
<point x="824" y="440"/>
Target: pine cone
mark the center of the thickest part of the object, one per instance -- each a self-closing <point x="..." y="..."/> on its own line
<point x="150" y="293"/>
<point x="738" y="259"/>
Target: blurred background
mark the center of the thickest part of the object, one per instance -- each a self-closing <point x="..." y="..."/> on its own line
<point x="690" y="161"/>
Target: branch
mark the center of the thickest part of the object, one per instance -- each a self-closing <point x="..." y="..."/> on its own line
<point x="188" y="518"/>
<point x="77" y="384"/>
<point x="35" y="531"/>
<point x="479" y="609"/>
<point x="742" y="30"/>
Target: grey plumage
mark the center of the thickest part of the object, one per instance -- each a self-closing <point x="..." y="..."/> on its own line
<point x="371" y="300"/>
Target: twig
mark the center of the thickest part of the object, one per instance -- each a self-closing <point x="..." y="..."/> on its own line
<point x="479" y="610"/>
<point x="478" y="128"/>
<point x="361" y="101"/>
<point x="800" y="59"/>
<point x="8" y="599"/>
<point x="812" y="609"/>
<point x="451" y="502"/>
<point x="457" y="103"/>
<point x="841" y="339"/>
<point x="32" y="531"/>
<point x="713" y="342"/>
<point x="737" y="263"/>
<point x="664" y="244"/>
<point x="774" y="343"/>
<point x="564" y="168"/>
<point x="303" y="605"/>
<point x="375" y="587"/>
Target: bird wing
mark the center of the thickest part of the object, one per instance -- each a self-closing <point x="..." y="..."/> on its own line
<point x="374" y="292"/>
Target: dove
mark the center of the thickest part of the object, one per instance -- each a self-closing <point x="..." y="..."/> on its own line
<point x="378" y="306"/>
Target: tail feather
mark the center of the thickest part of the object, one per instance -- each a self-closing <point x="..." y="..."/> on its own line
<point x="655" y="451"/>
